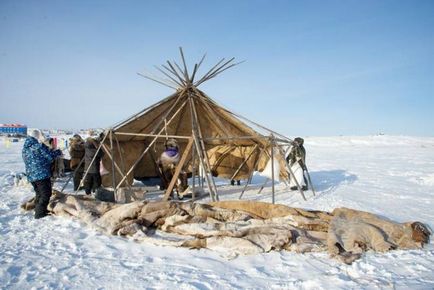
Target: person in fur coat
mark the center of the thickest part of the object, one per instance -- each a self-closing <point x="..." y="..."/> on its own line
<point x="76" y="152"/>
<point x="92" y="180"/>
<point x="58" y="165"/>
<point x="167" y="163"/>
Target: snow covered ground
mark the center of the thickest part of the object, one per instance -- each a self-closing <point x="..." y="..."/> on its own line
<point x="387" y="175"/>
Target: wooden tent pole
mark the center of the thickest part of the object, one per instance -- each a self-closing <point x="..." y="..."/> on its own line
<point x="199" y="131"/>
<point x="251" y="176"/>
<point x="122" y="160"/>
<point x="245" y="186"/>
<point x="151" y="135"/>
<point x="310" y="181"/>
<point x="194" y="73"/>
<point x="73" y="174"/>
<point x="167" y="75"/>
<point x="218" y="69"/>
<point x="244" y="162"/>
<point x="263" y="185"/>
<point x="113" y="162"/>
<point x="107" y="151"/>
<point x="200" y="149"/>
<point x="178" y="169"/>
<point x="295" y="180"/>
<point x="199" y="81"/>
<point x="137" y="161"/>
<point x="267" y="179"/>
<point x="202" y="171"/>
<point x="187" y="77"/>
<point x="222" y="70"/>
<point x="193" y="172"/>
<point x="201" y="60"/>
<point x="201" y="160"/>
<point x="222" y="156"/>
<point x="157" y="81"/>
<point x="167" y="82"/>
<point x="172" y="70"/>
<point x="196" y="68"/>
<point x="212" y="71"/>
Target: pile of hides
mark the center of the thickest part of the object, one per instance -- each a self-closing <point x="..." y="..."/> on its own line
<point x="243" y="227"/>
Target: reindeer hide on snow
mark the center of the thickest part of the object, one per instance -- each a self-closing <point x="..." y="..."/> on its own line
<point x="243" y="227"/>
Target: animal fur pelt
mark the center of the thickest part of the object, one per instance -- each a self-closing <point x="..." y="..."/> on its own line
<point x="242" y="227"/>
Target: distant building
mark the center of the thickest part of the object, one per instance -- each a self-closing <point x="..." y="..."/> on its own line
<point x="13" y="129"/>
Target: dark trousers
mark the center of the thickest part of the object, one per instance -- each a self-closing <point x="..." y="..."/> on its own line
<point x="92" y="182"/>
<point x="78" y="175"/>
<point x="43" y="193"/>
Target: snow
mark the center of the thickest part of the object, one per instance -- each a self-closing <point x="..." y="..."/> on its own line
<point x="392" y="176"/>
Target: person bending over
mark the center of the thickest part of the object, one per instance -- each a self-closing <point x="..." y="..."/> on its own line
<point x="297" y="162"/>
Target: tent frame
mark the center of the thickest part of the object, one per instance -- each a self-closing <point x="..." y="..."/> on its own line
<point x="187" y="88"/>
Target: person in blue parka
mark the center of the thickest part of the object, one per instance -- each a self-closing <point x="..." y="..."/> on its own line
<point x="38" y="159"/>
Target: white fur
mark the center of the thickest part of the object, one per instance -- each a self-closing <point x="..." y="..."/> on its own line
<point x="298" y="174"/>
<point x="37" y="134"/>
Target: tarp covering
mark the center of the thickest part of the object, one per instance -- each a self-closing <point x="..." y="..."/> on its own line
<point x="243" y="228"/>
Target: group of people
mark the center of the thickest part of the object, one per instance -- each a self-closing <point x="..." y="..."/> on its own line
<point x="40" y="156"/>
<point x="82" y="154"/>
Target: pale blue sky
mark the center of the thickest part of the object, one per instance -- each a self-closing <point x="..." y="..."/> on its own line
<point x="313" y="68"/>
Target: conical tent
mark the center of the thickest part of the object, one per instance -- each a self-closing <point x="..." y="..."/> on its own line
<point x="210" y="137"/>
